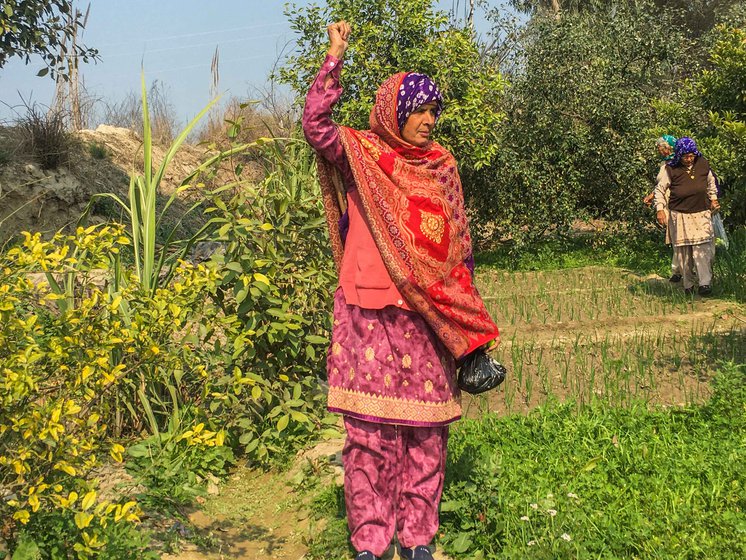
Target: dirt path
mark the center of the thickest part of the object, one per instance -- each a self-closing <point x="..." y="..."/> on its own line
<point x="258" y="515"/>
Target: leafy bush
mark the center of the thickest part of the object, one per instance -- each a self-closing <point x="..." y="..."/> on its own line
<point x="56" y="374"/>
<point x="576" y="140"/>
<point x="173" y="465"/>
<point x="54" y="535"/>
<point x="720" y="89"/>
<point x="276" y="293"/>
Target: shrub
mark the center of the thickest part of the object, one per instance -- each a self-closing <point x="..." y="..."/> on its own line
<point x="46" y="137"/>
<point x="98" y="150"/>
<point x="276" y="291"/>
<point x="55" y="378"/>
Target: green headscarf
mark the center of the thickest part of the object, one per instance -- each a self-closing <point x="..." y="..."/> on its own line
<point x="667" y="140"/>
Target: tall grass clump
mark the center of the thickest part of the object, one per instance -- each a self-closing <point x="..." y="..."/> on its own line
<point x="730" y="265"/>
<point x="45" y="136"/>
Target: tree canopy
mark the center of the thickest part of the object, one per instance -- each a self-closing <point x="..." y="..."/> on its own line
<point x="41" y="27"/>
<point x="390" y="36"/>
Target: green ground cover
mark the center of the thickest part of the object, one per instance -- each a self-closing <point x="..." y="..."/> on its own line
<point x="619" y="432"/>
<point x="599" y="481"/>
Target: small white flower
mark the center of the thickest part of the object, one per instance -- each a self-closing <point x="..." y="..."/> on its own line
<point x="525" y="518"/>
<point x="531" y="543"/>
<point x="572" y="495"/>
<point x="552" y="512"/>
<point x="534" y="506"/>
<point x="566" y="537"/>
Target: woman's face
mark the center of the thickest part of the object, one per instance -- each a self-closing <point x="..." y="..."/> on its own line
<point x="420" y="124"/>
<point x="687" y="159"/>
<point x="664" y="150"/>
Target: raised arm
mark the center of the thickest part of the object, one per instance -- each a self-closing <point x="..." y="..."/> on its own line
<point x="318" y="126"/>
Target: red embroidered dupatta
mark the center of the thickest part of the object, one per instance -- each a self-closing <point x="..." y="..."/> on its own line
<point x="413" y="202"/>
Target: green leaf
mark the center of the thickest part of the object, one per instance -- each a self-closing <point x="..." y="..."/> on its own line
<point x="316" y="339"/>
<point x="462" y="543"/>
<point x="299" y="416"/>
<point x="282" y="423"/>
<point x="26" y="549"/>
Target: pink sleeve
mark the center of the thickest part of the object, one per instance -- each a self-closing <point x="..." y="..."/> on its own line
<point x="319" y="128"/>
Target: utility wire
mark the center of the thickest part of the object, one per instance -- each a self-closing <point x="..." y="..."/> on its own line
<point x="197" y="34"/>
<point x="194" y="45"/>
<point x="190" y="67"/>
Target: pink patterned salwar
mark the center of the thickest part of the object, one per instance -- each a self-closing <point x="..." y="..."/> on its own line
<point x="393" y="483"/>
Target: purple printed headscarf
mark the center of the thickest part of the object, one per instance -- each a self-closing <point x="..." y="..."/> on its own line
<point x="684" y="145"/>
<point x="416" y="89"/>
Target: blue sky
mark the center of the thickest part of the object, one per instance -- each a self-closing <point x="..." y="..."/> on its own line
<point x="174" y="40"/>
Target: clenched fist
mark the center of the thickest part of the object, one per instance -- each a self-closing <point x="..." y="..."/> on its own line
<point x="339" y="34"/>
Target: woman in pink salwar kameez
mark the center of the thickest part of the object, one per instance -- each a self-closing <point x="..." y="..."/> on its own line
<point x="406" y="308"/>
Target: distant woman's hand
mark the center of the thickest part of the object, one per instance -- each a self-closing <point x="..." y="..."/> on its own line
<point x="339" y="35"/>
<point x="661" y="217"/>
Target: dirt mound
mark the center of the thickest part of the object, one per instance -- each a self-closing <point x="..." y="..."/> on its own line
<point x="102" y="160"/>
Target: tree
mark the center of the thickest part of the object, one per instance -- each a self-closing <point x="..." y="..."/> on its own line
<point x="695" y="16"/>
<point x="556" y="6"/>
<point x="578" y="140"/>
<point x="390" y="36"/>
<point x="42" y="27"/>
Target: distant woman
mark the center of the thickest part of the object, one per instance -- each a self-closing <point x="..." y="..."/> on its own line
<point x="692" y="197"/>
<point x="665" y="147"/>
<point x="406" y="307"/>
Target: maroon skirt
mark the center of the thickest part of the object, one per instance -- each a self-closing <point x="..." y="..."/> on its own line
<point x="386" y="365"/>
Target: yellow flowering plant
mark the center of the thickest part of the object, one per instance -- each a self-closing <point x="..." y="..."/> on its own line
<point x="75" y="378"/>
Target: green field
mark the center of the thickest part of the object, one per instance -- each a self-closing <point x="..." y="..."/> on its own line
<point x="619" y="432"/>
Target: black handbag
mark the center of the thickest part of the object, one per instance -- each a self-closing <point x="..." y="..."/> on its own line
<point x="480" y="373"/>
